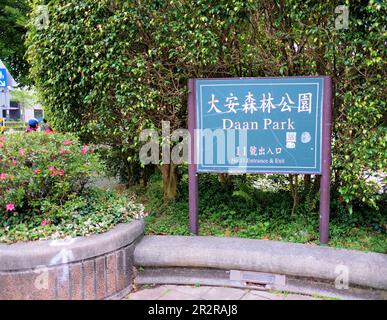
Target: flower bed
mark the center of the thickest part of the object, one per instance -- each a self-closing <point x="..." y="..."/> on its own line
<point x="44" y="190"/>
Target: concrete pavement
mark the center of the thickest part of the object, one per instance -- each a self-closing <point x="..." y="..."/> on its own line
<point x="174" y="292"/>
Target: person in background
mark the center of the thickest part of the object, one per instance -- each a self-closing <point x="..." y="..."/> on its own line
<point x="33" y="125"/>
<point x="45" y="127"/>
<point x="2" y="125"/>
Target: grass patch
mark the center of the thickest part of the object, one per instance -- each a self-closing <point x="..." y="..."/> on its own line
<point x="318" y="296"/>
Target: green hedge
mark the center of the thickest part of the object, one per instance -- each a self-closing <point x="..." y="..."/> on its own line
<point x="107" y="69"/>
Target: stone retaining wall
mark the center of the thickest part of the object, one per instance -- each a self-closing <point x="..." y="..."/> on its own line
<point x="95" y="267"/>
<point x="349" y="267"/>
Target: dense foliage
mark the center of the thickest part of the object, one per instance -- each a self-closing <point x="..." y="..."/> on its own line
<point x="13" y="21"/>
<point x="257" y="209"/>
<point x="39" y="170"/>
<point x="108" y="69"/>
<point x="45" y="190"/>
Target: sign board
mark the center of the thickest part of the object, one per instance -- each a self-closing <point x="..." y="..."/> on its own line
<point x="3" y="78"/>
<point x="260" y="125"/>
<point x="280" y="120"/>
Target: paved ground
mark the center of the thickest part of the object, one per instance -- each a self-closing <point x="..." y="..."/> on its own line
<point x="173" y="292"/>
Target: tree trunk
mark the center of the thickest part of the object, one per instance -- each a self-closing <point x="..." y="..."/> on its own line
<point x="169" y="173"/>
<point x="146" y="174"/>
<point x="225" y="180"/>
<point x="130" y="173"/>
<point x="307" y="182"/>
<point x="293" y="179"/>
<point x="316" y="184"/>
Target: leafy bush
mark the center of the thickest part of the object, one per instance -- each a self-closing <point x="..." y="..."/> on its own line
<point x="264" y="214"/>
<point x="124" y="67"/>
<point x="45" y="192"/>
<point x="37" y="169"/>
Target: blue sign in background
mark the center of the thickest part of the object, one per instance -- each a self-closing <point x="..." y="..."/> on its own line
<point x="3" y="77"/>
<point x="280" y="117"/>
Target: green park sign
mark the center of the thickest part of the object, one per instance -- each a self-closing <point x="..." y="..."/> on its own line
<point x="261" y="125"/>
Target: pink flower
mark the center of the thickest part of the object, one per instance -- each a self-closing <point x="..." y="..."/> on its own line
<point x="44" y="222"/>
<point x="84" y="149"/>
<point x="9" y="207"/>
<point x="1" y="144"/>
<point x="22" y="152"/>
<point x="53" y="171"/>
<point x="37" y="171"/>
<point x="3" y="176"/>
<point x="63" y="151"/>
<point x="14" y="162"/>
<point x="67" y="142"/>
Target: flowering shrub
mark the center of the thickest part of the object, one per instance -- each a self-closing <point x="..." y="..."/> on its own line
<point x="45" y="190"/>
<point x="38" y="168"/>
